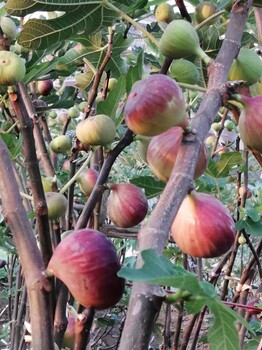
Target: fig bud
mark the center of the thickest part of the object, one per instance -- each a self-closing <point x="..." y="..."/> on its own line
<point x="97" y="130"/>
<point x="162" y="152"/>
<point x="12" y="68"/>
<point x="154" y="105"/>
<point x="203" y="227"/>
<point x="250" y="123"/>
<point x="86" y="261"/>
<point x="127" y="205"/>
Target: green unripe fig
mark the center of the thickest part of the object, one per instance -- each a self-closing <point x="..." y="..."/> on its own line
<point x="82" y="106"/>
<point x="111" y="84"/>
<point x="48" y="182"/>
<point x="12" y="68"/>
<point x="247" y="66"/>
<point x="241" y="239"/>
<point x="61" y="144"/>
<point x="56" y="205"/>
<point x="8" y="27"/>
<point x="210" y="141"/>
<point x="229" y="125"/>
<point x="142" y="146"/>
<point x="216" y="127"/>
<point x="52" y="114"/>
<point x="184" y="71"/>
<point x="97" y="130"/>
<point x="73" y="112"/>
<point x="180" y="40"/>
<point x="204" y="10"/>
<point x="164" y="13"/>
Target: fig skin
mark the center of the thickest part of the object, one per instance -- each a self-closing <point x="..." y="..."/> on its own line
<point x="86" y="261"/>
<point x="162" y="152"/>
<point x="250" y="123"/>
<point x="12" y="68"/>
<point x="203" y="227"/>
<point x="127" y="205"/>
<point x="154" y="105"/>
<point x="98" y="130"/>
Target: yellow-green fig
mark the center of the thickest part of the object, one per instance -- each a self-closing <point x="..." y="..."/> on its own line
<point x="204" y="10"/>
<point x="56" y="205"/>
<point x="164" y="13"/>
<point x="61" y="144"/>
<point x="8" y="27"/>
<point x="97" y="130"/>
<point x="12" y="68"/>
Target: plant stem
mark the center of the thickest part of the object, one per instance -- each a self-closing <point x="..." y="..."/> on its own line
<point x="130" y="20"/>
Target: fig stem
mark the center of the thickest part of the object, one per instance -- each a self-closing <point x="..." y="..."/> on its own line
<point x="192" y="87"/>
<point x="73" y="179"/>
<point x="201" y="54"/>
<point x="107" y="4"/>
<point x="206" y="21"/>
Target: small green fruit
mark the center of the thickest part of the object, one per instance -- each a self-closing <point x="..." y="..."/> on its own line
<point x="210" y="141"/>
<point x="204" y="10"/>
<point x="53" y="114"/>
<point x="164" y="13"/>
<point x="184" y="71"/>
<point x="229" y="125"/>
<point x="8" y="27"/>
<point x="12" y="68"/>
<point x="61" y="144"/>
<point x="180" y="40"/>
<point x="82" y="106"/>
<point x="241" y="239"/>
<point x="216" y="127"/>
<point x="247" y="66"/>
<point x="111" y="84"/>
<point x="48" y="182"/>
<point x="73" y="112"/>
<point x="56" y="205"/>
<point x="97" y="130"/>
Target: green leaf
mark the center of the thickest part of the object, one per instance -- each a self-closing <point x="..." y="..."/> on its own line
<point x="251" y="227"/>
<point x="135" y="73"/>
<point x="13" y="144"/>
<point x="151" y="186"/>
<point x="111" y="104"/>
<point x="253" y="214"/>
<point x="24" y="7"/>
<point x="41" y="33"/>
<point x="223" y="167"/>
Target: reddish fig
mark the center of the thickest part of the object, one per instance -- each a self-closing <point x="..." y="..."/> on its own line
<point x="97" y="130"/>
<point x="162" y="152"/>
<point x="127" y="205"/>
<point x="203" y="227"/>
<point x="44" y="87"/>
<point x="86" y="261"/>
<point x="250" y="123"/>
<point x="87" y="180"/>
<point x="154" y="105"/>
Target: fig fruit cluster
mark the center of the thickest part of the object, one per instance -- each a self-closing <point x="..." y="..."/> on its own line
<point x="86" y="261"/>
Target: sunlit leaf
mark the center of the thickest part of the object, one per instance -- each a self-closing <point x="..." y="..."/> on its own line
<point x="151" y="186"/>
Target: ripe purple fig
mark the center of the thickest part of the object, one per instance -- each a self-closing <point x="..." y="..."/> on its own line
<point x="203" y="227"/>
<point x="154" y="105"/>
<point x="250" y="123"/>
<point x="87" y="180"/>
<point x="44" y="87"/>
<point x="2" y="263"/>
<point x="127" y="205"/>
<point x="162" y="152"/>
<point x="86" y="261"/>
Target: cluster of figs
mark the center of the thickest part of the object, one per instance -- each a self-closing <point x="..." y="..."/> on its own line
<point x="155" y="110"/>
